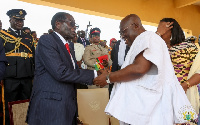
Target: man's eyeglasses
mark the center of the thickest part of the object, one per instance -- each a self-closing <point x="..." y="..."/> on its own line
<point x="122" y="32"/>
<point x="72" y="23"/>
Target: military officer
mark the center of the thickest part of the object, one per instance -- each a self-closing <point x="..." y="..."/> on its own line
<point x="93" y="51"/>
<point x="19" y="51"/>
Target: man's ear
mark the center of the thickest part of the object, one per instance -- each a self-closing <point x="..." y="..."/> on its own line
<point x="57" y="25"/>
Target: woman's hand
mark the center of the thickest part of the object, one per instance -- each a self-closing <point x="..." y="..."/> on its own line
<point x="163" y="27"/>
<point x="185" y="86"/>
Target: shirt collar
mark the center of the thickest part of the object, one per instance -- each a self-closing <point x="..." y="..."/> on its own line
<point x="15" y="30"/>
<point x="63" y="40"/>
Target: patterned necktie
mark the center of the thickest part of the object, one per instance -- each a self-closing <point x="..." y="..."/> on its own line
<point x="67" y="47"/>
<point x="83" y="42"/>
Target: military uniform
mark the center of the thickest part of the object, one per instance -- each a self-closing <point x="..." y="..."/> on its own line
<point x="19" y="50"/>
<point x="92" y="52"/>
<point x="20" y="60"/>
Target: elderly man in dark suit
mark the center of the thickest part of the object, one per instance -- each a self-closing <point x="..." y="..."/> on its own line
<point x="116" y="65"/>
<point x="3" y="61"/>
<point x="53" y="100"/>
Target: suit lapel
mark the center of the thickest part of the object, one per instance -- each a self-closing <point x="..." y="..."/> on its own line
<point x="71" y="46"/>
<point x="59" y="41"/>
<point x="62" y="46"/>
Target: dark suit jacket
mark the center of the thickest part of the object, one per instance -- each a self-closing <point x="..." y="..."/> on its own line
<point x="81" y="42"/>
<point x="114" y="58"/>
<point x="53" y="100"/>
<point x="3" y="61"/>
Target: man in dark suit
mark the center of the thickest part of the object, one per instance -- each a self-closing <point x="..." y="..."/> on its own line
<point x="53" y="100"/>
<point x="3" y="61"/>
<point x="19" y="51"/>
<point x="115" y="60"/>
<point x="81" y="38"/>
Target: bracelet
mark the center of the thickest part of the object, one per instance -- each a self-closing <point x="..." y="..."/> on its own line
<point x="158" y="33"/>
<point x="188" y="84"/>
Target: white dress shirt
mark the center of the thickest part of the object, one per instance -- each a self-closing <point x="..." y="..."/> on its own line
<point x="64" y="42"/>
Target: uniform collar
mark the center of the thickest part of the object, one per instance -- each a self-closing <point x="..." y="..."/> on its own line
<point x="16" y="30"/>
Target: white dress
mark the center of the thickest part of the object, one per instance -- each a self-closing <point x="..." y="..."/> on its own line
<point x="156" y="98"/>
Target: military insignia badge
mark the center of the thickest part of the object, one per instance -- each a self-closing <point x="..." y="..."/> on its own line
<point x="20" y="12"/>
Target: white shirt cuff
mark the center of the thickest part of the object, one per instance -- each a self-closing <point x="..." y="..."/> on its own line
<point x="95" y="73"/>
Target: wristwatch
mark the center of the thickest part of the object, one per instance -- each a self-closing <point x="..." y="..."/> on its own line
<point x="107" y="78"/>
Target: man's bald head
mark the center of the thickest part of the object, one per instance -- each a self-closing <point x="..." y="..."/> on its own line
<point x="132" y="18"/>
<point x="130" y="28"/>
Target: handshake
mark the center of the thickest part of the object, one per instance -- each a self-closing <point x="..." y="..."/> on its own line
<point x="103" y="77"/>
<point x="101" y="66"/>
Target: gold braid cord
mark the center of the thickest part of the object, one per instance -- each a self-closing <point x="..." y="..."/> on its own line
<point x="12" y="39"/>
